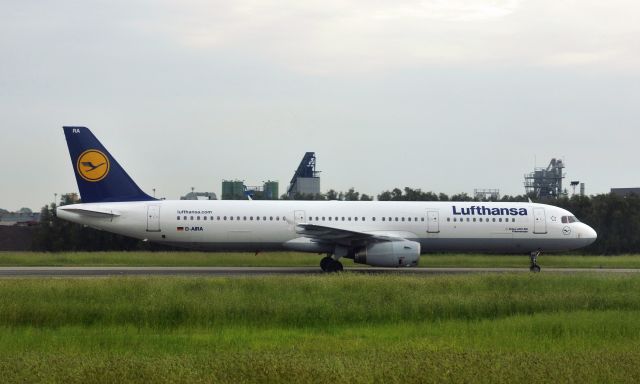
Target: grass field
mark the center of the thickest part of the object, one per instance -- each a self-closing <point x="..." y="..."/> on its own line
<point x="297" y="259"/>
<point x="329" y="328"/>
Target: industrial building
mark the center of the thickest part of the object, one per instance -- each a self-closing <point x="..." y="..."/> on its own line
<point x="546" y="183"/>
<point x="271" y="190"/>
<point x="24" y="217"/>
<point x="305" y="180"/>
<point x="486" y="194"/>
<point x="624" y="192"/>
<point x="237" y="190"/>
<point x="199" y="196"/>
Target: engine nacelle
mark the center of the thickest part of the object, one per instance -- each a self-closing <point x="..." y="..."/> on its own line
<point x="390" y="254"/>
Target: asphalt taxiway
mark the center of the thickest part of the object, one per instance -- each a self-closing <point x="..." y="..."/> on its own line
<point x="8" y="272"/>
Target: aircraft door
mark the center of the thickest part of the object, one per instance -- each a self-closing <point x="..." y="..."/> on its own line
<point x="299" y="217"/>
<point x="153" y="218"/>
<point x="540" y="221"/>
<point x="433" y="221"/>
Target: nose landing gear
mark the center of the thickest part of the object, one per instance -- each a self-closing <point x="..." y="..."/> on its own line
<point x="534" y="267"/>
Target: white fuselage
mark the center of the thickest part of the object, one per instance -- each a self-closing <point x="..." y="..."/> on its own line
<point x="272" y="225"/>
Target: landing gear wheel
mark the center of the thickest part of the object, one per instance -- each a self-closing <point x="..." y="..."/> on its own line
<point x="534" y="267"/>
<point x="328" y="264"/>
<point x="325" y="262"/>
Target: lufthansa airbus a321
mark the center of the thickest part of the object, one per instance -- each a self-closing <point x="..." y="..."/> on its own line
<point x="377" y="233"/>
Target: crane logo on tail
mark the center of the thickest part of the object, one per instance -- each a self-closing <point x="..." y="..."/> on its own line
<point x="93" y="165"/>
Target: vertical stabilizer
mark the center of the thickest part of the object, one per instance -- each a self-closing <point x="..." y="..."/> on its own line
<point x="100" y="178"/>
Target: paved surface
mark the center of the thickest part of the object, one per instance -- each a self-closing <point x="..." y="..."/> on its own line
<point x="261" y="271"/>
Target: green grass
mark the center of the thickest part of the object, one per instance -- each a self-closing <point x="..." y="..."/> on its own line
<point x="279" y="259"/>
<point x="338" y="328"/>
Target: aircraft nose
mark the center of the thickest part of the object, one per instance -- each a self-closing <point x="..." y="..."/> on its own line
<point x="589" y="234"/>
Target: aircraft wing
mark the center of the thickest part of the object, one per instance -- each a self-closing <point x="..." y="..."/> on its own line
<point x="325" y="234"/>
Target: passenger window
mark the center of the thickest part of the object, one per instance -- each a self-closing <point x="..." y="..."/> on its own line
<point x="218" y="218"/>
<point x="277" y="218"/>
<point x="349" y="218"/>
<point x="422" y="219"/>
<point x="178" y="218"/>
<point x="198" y="217"/>
<point x="448" y="219"/>
<point x="373" y="219"/>
<point x="494" y="220"/>
<point x="191" y="217"/>
<point x="474" y="219"/>
<point x="322" y="218"/>
<point x="225" y="218"/>
<point x="211" y="218"/>
<point x="271" y="218"/>
<point x="258" y="218"/>
<point x="363" y="218"/>
<point x="329" y="218"/>
<point x="342" y="218"/>
<point x="204" y="218"/>
<point x="403" y="219"/>
<point x="184" y="217"/>
<point x="251" y="218"/>
<point x="231" y="218"/>
<point x="480" y="219"/>
<point x="383" y="218"/>
<point x="513" y="220"/>
<point x="396" y="219"/>
<point x="500" y="219"/>
<point x="264" y="218"/>
<point x="355" y="218"/>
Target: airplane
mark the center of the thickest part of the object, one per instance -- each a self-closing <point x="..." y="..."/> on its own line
<point x="375" y="233"/>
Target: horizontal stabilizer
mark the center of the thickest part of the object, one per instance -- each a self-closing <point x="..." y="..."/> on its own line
<point x="91" y="212"/>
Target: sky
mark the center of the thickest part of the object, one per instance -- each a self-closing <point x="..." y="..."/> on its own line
<point x="442" y="95"/>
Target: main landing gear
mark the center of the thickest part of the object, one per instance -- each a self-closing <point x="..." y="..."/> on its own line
<point x="534" y="261"/>
<point x="329" y="264"/>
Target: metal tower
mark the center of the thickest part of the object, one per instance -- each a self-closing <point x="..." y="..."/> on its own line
<point x="544" y="183"/>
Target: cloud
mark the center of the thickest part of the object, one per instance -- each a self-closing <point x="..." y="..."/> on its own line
<point x="357" y="36"/>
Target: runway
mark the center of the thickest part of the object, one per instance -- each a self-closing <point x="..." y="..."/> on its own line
<point x="9" y="272"/>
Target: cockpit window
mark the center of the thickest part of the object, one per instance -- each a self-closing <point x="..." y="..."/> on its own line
<point x="569" y="219"/>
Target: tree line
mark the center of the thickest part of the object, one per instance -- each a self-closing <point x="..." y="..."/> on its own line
<point x="615" y="218"/>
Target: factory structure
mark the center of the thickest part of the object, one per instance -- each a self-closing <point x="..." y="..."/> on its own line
<point x="543" y="183"/>
<point x="199" y="195"/>
<point x="546" y="183"/>
<point x="237" y="190"/>
<point x="625" y="192"/>
<point x="305" y="180"/>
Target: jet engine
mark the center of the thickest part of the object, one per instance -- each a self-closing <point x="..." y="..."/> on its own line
<point x="402" y="253"/>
